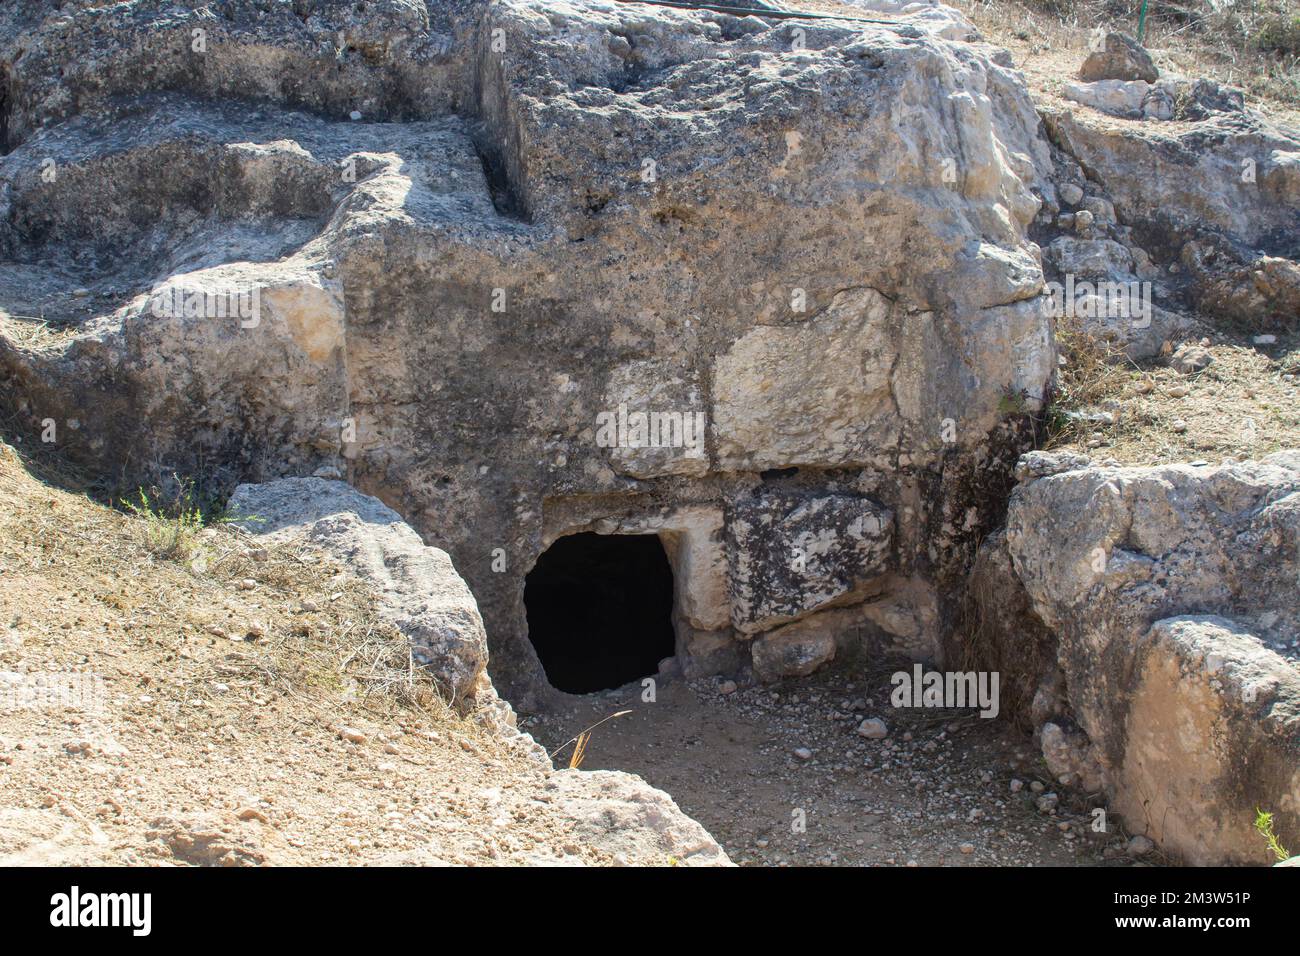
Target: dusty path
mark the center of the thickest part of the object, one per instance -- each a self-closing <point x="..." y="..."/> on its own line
<point x="738" y="763"/>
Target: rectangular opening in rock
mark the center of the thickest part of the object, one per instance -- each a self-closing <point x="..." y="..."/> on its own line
<point x="600" y="610"/>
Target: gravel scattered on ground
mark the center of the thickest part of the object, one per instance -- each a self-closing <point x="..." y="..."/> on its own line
<point x="944" y="788"/>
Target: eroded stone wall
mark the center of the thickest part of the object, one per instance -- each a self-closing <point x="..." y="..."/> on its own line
<point x="809" y="237"/>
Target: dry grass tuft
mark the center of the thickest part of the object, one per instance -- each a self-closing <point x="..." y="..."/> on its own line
<point x="192" y="581"/>
<point x="1094" y="373"/>
<point x="1245" y="404"/>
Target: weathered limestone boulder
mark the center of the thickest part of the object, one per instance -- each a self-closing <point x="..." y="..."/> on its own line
<point x="1281" y="177"/>
<point x="1090" y="258"/>
<point x="624" y="815"/>
<point x="1150" y="541"/>
<point x="1102" y="286"/>
<point x="1170" y="97"/>
<point x="928" y="16"/>
<point x="1070" y="756"/>
<point x="1133" y="99"/>
<point x="1169" y="597"/>
<point x="1213" y="734"/>
<point x="790" y="554"/>
<point x="419" y="591"/>
<point x="1262" y="292"/>
<point x="1118" y="56"/>
<point x="795" y="650"/>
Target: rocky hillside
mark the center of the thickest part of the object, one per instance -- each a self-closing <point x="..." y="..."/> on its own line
<point x="900" y="344"/>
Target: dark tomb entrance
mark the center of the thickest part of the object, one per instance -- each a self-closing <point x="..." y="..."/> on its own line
<point x="600" y="610"/>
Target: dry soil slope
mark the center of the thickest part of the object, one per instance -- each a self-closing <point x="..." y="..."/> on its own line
<point x="239" y="705"/>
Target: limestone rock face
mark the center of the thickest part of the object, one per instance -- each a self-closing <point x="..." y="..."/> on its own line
<point x="419" y="591"/>
<point x="815" y="393"/>
<point x="1213" y="733"/>
<point x="387" y="59"/>
<point x="1216" y="194"/>
<point x="477" y="231"/>
<point x="1151" y="541"/>
<point x="1169" y="596"/>
<point x="658" y="422"/>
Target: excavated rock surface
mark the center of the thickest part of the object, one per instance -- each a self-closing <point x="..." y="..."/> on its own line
<point x="435" y="250"/>
<point x="1168" y="597"/>
<point x="419" y="590"/>
<point x="813" y="235"/>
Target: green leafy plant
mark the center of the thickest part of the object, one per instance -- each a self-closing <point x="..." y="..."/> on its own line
<point x="1264" y="826"/>
<point x="170" y="530"/>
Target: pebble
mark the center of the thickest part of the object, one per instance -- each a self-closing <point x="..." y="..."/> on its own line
<point x="1178" y="426"/>
<point x="1139" y="846"/>
<point x="803" y="753"/>
<point x="727" y="687"/>
<point x="873" y="728"/>
<point x="967" y="848"/>
<point x="1191" y="359"/>
<point x="352" y="734"/>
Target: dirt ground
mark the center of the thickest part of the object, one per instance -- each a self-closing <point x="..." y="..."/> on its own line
<point x="1244" y="404"/>
<point x="750" y="764"/>
<point x="1049" y="48"/>
<point x="230" y="706"/>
